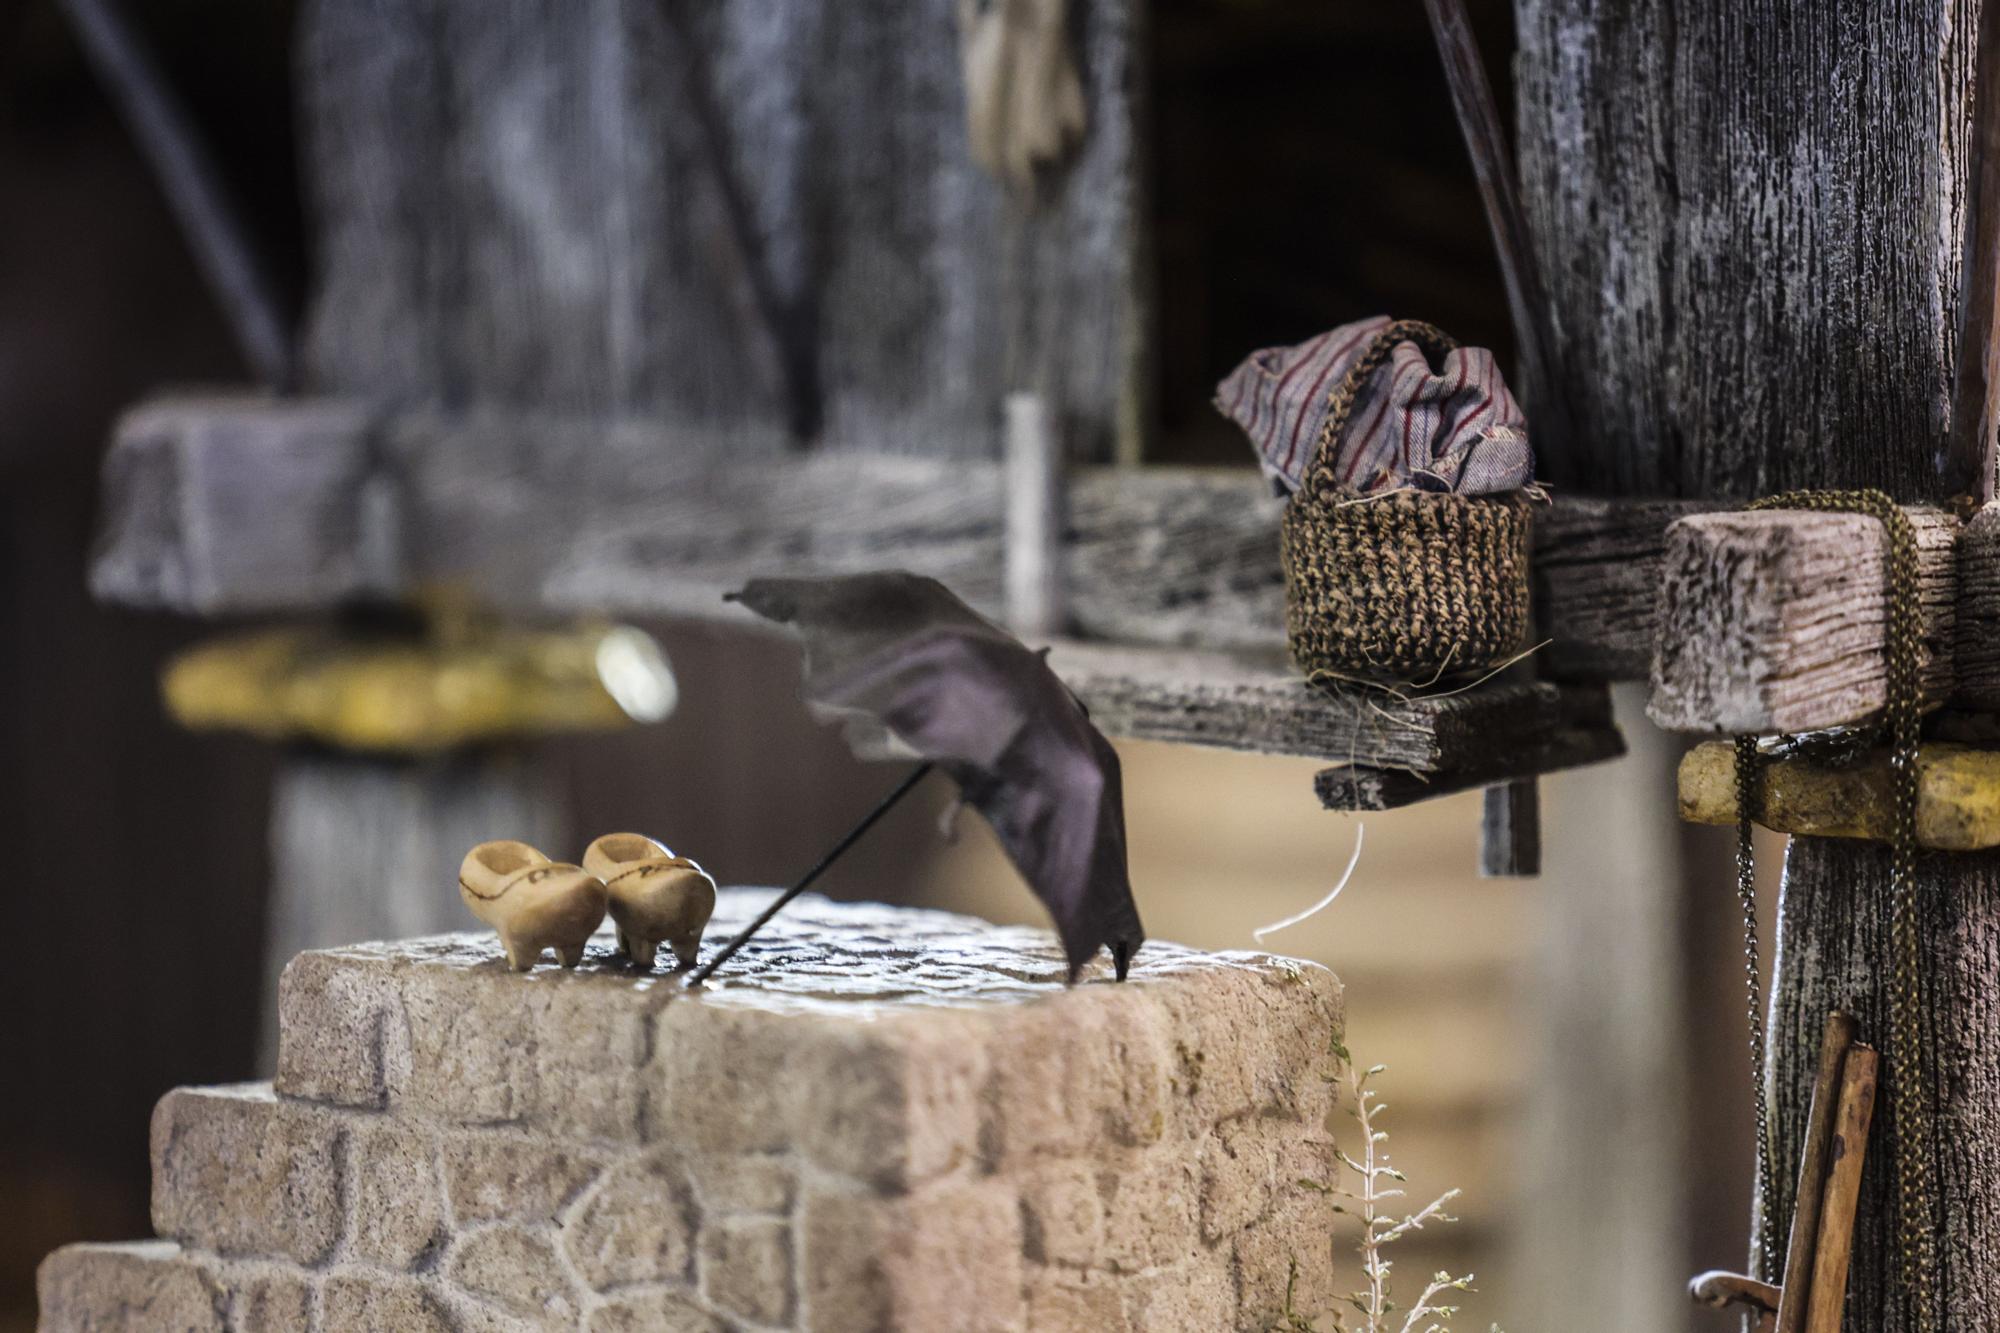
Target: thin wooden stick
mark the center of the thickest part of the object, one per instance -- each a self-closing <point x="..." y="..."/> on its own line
<point x="1500" y="193"/>
<point x="1814" y="1164"/>
<point x="210" y="221"/>
<point x="1835" y="1249"/>
<point x="887" y="803"/>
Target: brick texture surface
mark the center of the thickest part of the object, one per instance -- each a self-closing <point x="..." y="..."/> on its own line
<point x="879" y="1119"/>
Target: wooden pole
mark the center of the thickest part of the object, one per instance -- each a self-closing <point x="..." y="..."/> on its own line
<point x="1034" y="519"/>
<point x="1760" y="226"/>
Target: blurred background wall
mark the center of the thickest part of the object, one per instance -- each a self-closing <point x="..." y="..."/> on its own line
<point x="1306" y="171"/>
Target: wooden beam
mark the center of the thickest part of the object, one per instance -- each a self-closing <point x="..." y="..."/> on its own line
<point x="1976" y="647"/>
<point x="236" y="503"/>
<point x="690" y="214"/>
<point x="1958" y="794"/>
<point x="222" y="505"/>
<point x="1256" y="702"/>
<point x="1760" y="284"/>
<point x="1836" y="1039"/>
<point x="1597" y="570"/>
<point x="1580" y="732"/>
<point x="1826" y="1309"/>
<point x="541" y="513"/>
<point x="1716" y="244"/>
<point x="1774" y="621"/>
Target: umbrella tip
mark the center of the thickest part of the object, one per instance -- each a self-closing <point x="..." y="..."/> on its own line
<point x="1121" y="958"/>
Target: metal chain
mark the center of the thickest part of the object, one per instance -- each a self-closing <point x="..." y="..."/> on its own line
<point x="1746" y="894"/>
<point x="1916" y="1172"/>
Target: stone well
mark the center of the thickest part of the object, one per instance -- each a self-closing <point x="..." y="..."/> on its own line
<point x="877" y="1118"/>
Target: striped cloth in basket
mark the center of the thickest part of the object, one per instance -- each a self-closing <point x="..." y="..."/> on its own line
<point x="1454" y="428"/>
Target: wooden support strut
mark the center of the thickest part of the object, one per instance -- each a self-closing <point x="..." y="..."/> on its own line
<point x="1836" y="1039"/>
<point x="1510" y="831"/>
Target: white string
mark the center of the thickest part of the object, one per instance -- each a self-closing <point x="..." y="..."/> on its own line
<point x="1324" y="903"/>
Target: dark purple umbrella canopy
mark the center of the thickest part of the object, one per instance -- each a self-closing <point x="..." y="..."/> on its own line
<point x="913" y="671"/>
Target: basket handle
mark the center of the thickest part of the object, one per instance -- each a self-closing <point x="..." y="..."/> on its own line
<point x="1340" y="403"/>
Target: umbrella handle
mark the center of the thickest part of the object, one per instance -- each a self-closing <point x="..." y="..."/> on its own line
<point x="887" y="803"/>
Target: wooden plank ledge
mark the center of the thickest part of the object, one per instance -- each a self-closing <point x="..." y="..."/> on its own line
<point x="1958" y="794"/>
<point x="1257" y="702"/>
<point x="1581" y="732"/>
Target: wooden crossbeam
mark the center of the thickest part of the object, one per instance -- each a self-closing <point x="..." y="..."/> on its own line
<point x="230" y="504"/>
<point x="1597" y="571"/>
<point x="564" y="514"/>
<point x="1569" y="726"/>
<point x="1976" y="646"/>
<point x="1774" y="621"/>
<point x="245" y="504"/>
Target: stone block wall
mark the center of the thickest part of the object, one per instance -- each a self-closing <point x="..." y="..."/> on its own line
<point x="880" y="1119"/>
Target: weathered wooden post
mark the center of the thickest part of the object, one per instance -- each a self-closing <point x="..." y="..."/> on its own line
<point x="1765" y="238"/>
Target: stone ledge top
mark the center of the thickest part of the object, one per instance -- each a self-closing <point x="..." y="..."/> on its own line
<point x="926" y="1025"/>
<point x="821" y="955"/>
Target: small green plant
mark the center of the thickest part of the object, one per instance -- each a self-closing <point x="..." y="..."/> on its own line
<point x="1366" y="1190"/>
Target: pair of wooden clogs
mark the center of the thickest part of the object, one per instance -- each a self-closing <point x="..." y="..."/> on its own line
<point x="653" y="896"/>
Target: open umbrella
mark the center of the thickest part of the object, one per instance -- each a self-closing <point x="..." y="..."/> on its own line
<point x="914" y="672"/>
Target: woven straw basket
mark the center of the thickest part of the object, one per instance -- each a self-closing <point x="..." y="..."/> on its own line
<point x="1405" y="585"/>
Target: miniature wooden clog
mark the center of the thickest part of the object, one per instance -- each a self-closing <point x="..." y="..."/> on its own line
<point x="656" y="897"/>
<point x="534" y="903"/>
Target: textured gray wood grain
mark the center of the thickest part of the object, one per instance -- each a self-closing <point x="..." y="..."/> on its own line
<point x="235" y="504"/>
<point x="1776" y="621"/>
<point x="550" y="512"/>
<point x="1254" y="701"/>
<point x="1834" y="952"/>
<point x="696" y="210"/>
<point x="575" y="519"/>
<point x="1977" y="641"/>
<point x="1579" y="731"/>
<point x="1597" y="566"/>
<point x="1752" y="219"/>
<point x="369" y="76"/>
<point x="554" y="513"/>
